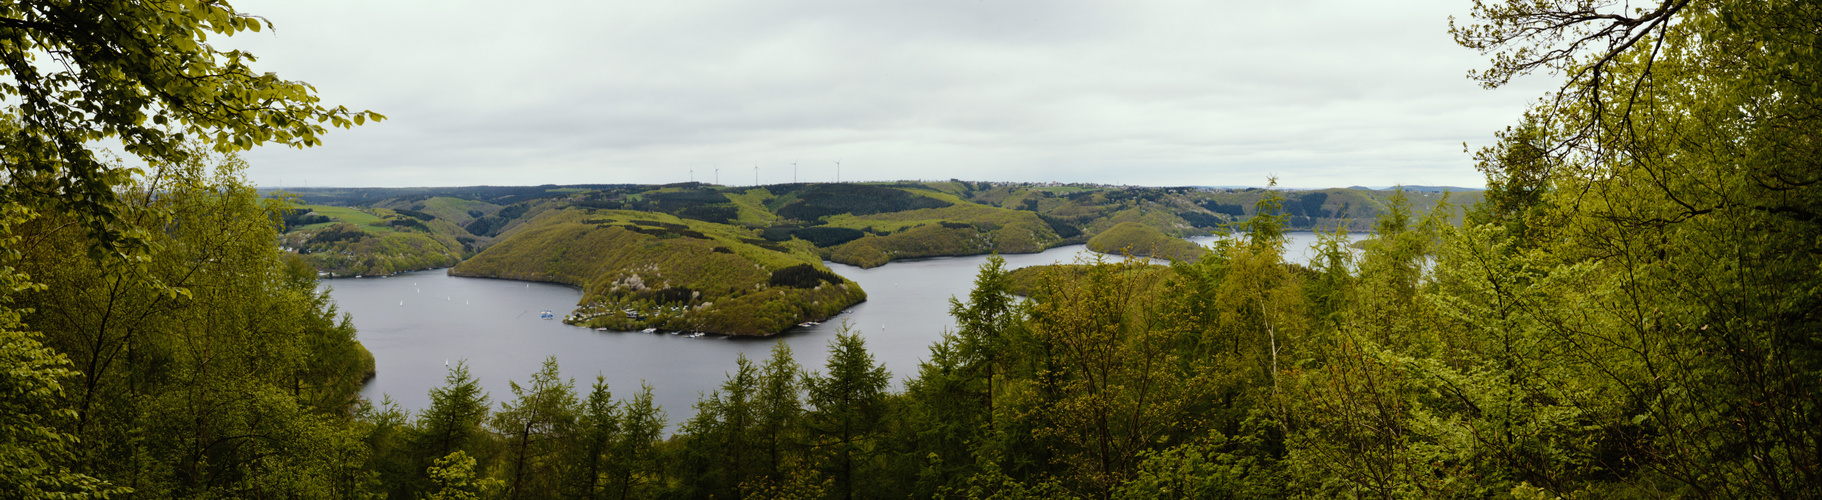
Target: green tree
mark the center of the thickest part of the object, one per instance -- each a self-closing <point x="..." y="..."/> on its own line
<point x="452" y="423"/>
<point x="718" y="452"/>
<point x="1667" y="309"/>
<point x="201" y="362"/>
<point x="142" y="73"/>
<point x="598" y="429"/>
<point x="635" y="468"/>
<point x="454" y="478"/>
<point x="33" y="444"/>
<point x="985" y="322"/>
<point x="846" y="408"/>
<point x="776" y="412"/>
<point x="538" y="425"/>
<point x="944" y="418"/>
<point x="1115" y="384"/>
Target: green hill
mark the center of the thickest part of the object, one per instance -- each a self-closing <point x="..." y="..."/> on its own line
<point x="693" y="256"/>
<point x="345" y="241"/>
<point x="958" y="228"/>
<point x="862" y="224"/>
<point x="652" y="270"/>
<point x="1142" y="240"/>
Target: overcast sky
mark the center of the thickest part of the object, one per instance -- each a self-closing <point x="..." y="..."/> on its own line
<point x="1320" y="93"/>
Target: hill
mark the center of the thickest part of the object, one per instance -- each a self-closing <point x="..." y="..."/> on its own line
<point x="341" y="241"/>
<point x="652" y="270"/>
<point x="1141" y="240"/>
<point x="693" y="256"/>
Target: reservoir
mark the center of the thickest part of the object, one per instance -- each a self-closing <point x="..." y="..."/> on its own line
<point x="417" y="323"/>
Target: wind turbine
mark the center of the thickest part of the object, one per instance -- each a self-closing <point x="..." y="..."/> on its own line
<point x="838" y="171"/>
<point x="793" y="172"/>
<point x="755" y="175"/>
<point x="718" y="176"/>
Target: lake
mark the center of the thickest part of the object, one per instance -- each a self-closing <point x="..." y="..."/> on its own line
<point x="417" y="323"/>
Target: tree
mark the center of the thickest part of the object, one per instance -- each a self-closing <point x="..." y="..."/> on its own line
<point x="598" y="430"/>
<point x="635" y="464"/>
<point x="718" y="442"/>
<point x="33" y="447"/>
<point x="1114" y="384"/>
<point x="453" y="421"/>
<point x="777" y="409"/>
<point x="454" y="478"/>
<point x="1671" y="309"/>
<point x="985" y="322"/>
<point x="537" y="425"/>
<point x="209" y="364"/>
<point x="847" y="405"/>
<point x="142" y="73"/>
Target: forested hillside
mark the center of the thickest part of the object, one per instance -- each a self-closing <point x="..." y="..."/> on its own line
<point x="397" y="229"/>
<point x="1631" y="310"/>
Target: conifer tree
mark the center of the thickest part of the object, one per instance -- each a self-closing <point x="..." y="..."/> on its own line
<point x="847" y="405"/>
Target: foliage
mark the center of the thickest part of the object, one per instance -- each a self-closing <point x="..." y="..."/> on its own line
<point x="1143" y="241"/>
<point x="846" y="408"/>
<point x="213" y="363"/>
<point x="33" y="444"/>
<point x="455" y="479"/>
<point x="1627" y="313"/>
<point x="79" y="74"/>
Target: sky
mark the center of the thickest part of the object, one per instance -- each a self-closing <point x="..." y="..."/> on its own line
<point x="1137" y="92"/>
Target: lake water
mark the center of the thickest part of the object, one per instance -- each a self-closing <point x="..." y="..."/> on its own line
<point x="416" y="323"/>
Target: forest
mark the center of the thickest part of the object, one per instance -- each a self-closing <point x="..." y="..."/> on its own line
<point x="1630" y="311"/>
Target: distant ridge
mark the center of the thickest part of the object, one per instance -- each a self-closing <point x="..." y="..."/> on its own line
<point x="1414" y="189"/>
<point x="1424" y="189"/>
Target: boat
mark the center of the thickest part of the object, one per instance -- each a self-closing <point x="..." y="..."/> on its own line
<point x="697" y="334"/>
<point x="649" y="330"/>
<point x="546" y="315"/>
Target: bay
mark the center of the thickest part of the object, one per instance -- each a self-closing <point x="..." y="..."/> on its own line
<point x="416" y="324"/>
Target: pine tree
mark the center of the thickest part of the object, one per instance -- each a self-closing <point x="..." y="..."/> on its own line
<point x="847" y="405"/>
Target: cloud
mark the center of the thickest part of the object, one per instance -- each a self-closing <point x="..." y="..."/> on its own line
<point x="1324" y="93"/>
